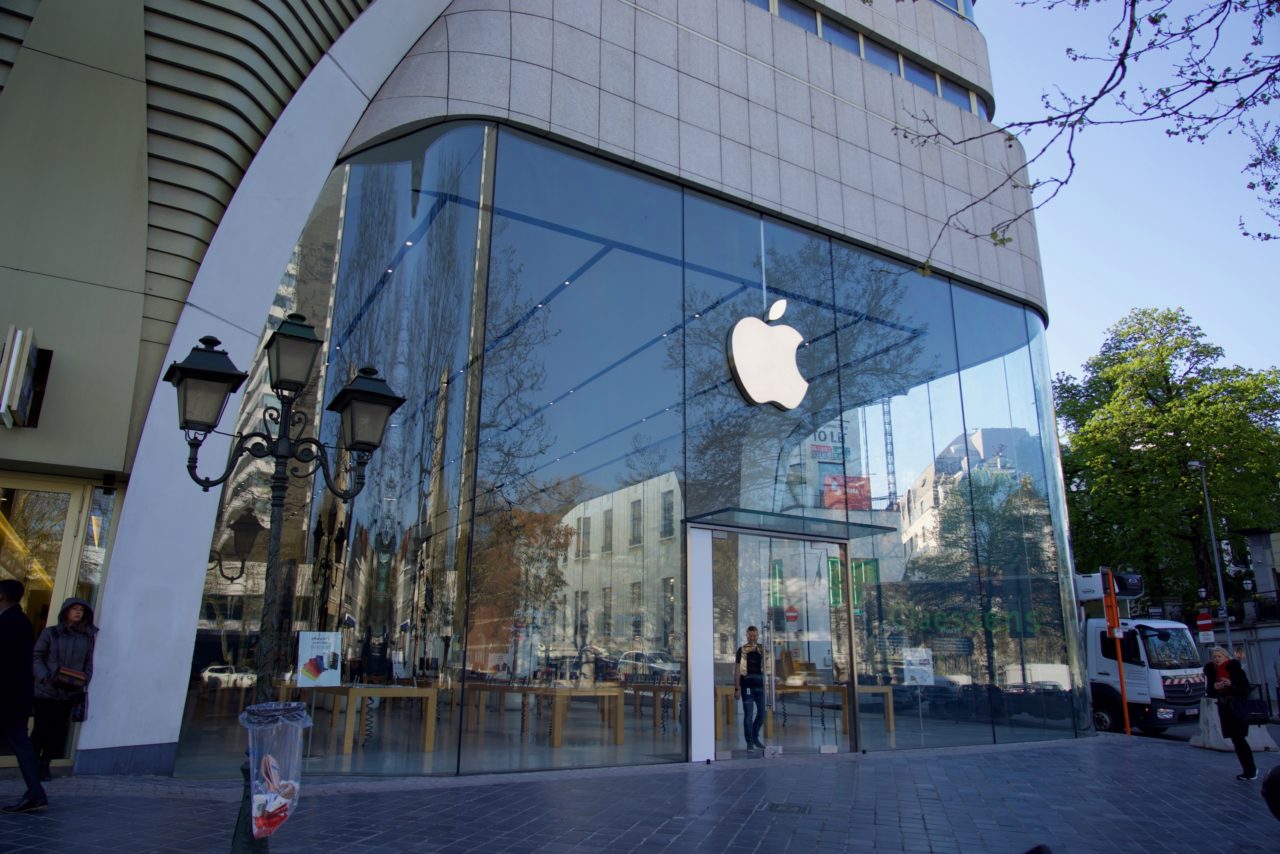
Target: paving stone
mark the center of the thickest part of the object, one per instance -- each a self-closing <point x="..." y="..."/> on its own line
<point x="1002" y="798"/>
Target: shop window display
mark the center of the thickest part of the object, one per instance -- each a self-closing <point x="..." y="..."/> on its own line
<point x="563" y="360"/>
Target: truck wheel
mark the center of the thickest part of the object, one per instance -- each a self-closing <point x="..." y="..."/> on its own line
<point x="1106" y="718"/>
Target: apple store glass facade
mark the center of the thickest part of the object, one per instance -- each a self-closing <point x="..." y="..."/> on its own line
<point x="512" y="579"/>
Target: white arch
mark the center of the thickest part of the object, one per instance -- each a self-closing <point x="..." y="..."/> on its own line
<point x="157" y="565"/>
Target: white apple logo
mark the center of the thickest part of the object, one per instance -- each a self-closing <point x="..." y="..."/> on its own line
<point x="763" y="360"/>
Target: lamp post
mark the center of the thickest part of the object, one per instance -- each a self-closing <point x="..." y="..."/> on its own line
<point x="206" y="379"/>
<point x="1197" y="465"/>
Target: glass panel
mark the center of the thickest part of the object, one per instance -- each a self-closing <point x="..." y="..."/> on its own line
<point x="1043" y="385"/>
<point x="798" y="14"/>
<point x="1012" y="523"/>
<point x="98" y="529"/>
<point x="397" y="226"/>
<point x="762" y="4"/>
<point x="783" y="643"/>
<point x="956" y="94"/>
<point x="878" y="54"/>
<point x="914" y="590"/>
<point x="840" y="36"/>
<point x="921" y="76"/>
<point x="32" y="525"/>
<point x="745" y="457"/>
<point x="580" y="416"/>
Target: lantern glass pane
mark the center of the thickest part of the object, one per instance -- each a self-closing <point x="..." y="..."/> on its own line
<point x="200" y="403"/>
<point x="290" y="361"/>
<point x="363" y="424"/>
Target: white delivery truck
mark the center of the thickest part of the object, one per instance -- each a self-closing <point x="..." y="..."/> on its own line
<point x="1163" y="676"/>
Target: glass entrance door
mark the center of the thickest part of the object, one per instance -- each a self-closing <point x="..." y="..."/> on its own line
<point x="50" y="544"/>
<point x="794" y="594"/>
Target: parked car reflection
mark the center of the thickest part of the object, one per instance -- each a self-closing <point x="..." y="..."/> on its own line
<point x="648" y="666"/>
<point x="228" y="676"/>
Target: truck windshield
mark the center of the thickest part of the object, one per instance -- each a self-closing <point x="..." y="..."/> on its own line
<point x="1169" y="649"/>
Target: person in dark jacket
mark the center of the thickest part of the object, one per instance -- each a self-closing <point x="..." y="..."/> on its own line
<point x="748" y="683"/>
<point x="16" y="686"/>
<point x="68" y="646"/>
<point x="1225" y="680"/>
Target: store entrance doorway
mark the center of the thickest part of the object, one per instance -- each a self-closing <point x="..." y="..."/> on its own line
<point x="794" y="593"/>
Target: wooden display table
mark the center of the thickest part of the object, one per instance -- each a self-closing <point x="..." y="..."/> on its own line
<point x="559" y="697"/>
<point x="354" y="694"/>
<point x="725" y="705"/>
<point x="657" y="689"/>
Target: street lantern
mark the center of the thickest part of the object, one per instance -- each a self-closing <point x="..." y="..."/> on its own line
<point x="245" y="531"/>
<point x="291" y="354"/>
<point x="1203" y="593"/>
<point x="1248" y="585"/>
<point x="363" y="408"/>
<point x="205" y="380"/>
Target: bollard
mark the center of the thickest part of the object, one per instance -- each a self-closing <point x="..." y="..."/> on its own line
<point x="242" y="841"/>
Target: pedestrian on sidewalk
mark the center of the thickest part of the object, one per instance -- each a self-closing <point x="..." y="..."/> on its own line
<point x="1225" y="680"/>
<point x="749" y="685"/>
<point x="63" y="663"/>
<point x="16" y="690"/>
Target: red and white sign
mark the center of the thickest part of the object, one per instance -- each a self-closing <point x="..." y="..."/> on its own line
<point x="1204" y="622"/>
<point x="792" y="614"/>
<point x="847" y="493"/>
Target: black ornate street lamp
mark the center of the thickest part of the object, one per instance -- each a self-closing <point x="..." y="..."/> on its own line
<point x="206" y="379"/>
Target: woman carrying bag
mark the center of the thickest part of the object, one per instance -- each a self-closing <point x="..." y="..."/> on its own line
<point x="63" y="664"/>
<point x="1225" y="680"/>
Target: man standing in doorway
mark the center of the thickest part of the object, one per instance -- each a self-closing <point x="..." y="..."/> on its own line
<point x="749" y="685"/>
<point x="17" y="686"/>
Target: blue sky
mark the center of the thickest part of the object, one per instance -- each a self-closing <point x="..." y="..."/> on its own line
<point x="1147" y="221"/>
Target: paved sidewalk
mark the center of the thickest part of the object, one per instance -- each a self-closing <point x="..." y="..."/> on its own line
<point x="1103" y="794"/>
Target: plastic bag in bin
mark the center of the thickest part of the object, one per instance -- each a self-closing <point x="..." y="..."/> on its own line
<point x="275" y="762"/>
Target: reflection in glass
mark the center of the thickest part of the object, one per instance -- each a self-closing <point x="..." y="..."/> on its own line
<point x="32" y="524"/>
<point x="579" y="420"/>
<point x="512" y="578"/>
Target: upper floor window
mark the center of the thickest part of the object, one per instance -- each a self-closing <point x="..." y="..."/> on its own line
<point x="584" y="536"/>
<point x="841" y="36"/>
<point x="637" y="523"/>
<point x="879" y="54"/>
<point x="798" y="14"/>
<point x="606" y="542"/>
<point x="921" y="76"/>
<point x="956" y="94"/>
<point x="668" y="514"/>
<point x="885" y="57"/>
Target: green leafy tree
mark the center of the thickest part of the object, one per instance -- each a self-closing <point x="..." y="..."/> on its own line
<point x="1156" y="397"/>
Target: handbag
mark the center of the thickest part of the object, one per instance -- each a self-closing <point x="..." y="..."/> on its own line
<point x="1250" y="711"/>
<point x="68" y="678"/>
<point x="80" y="711"/>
